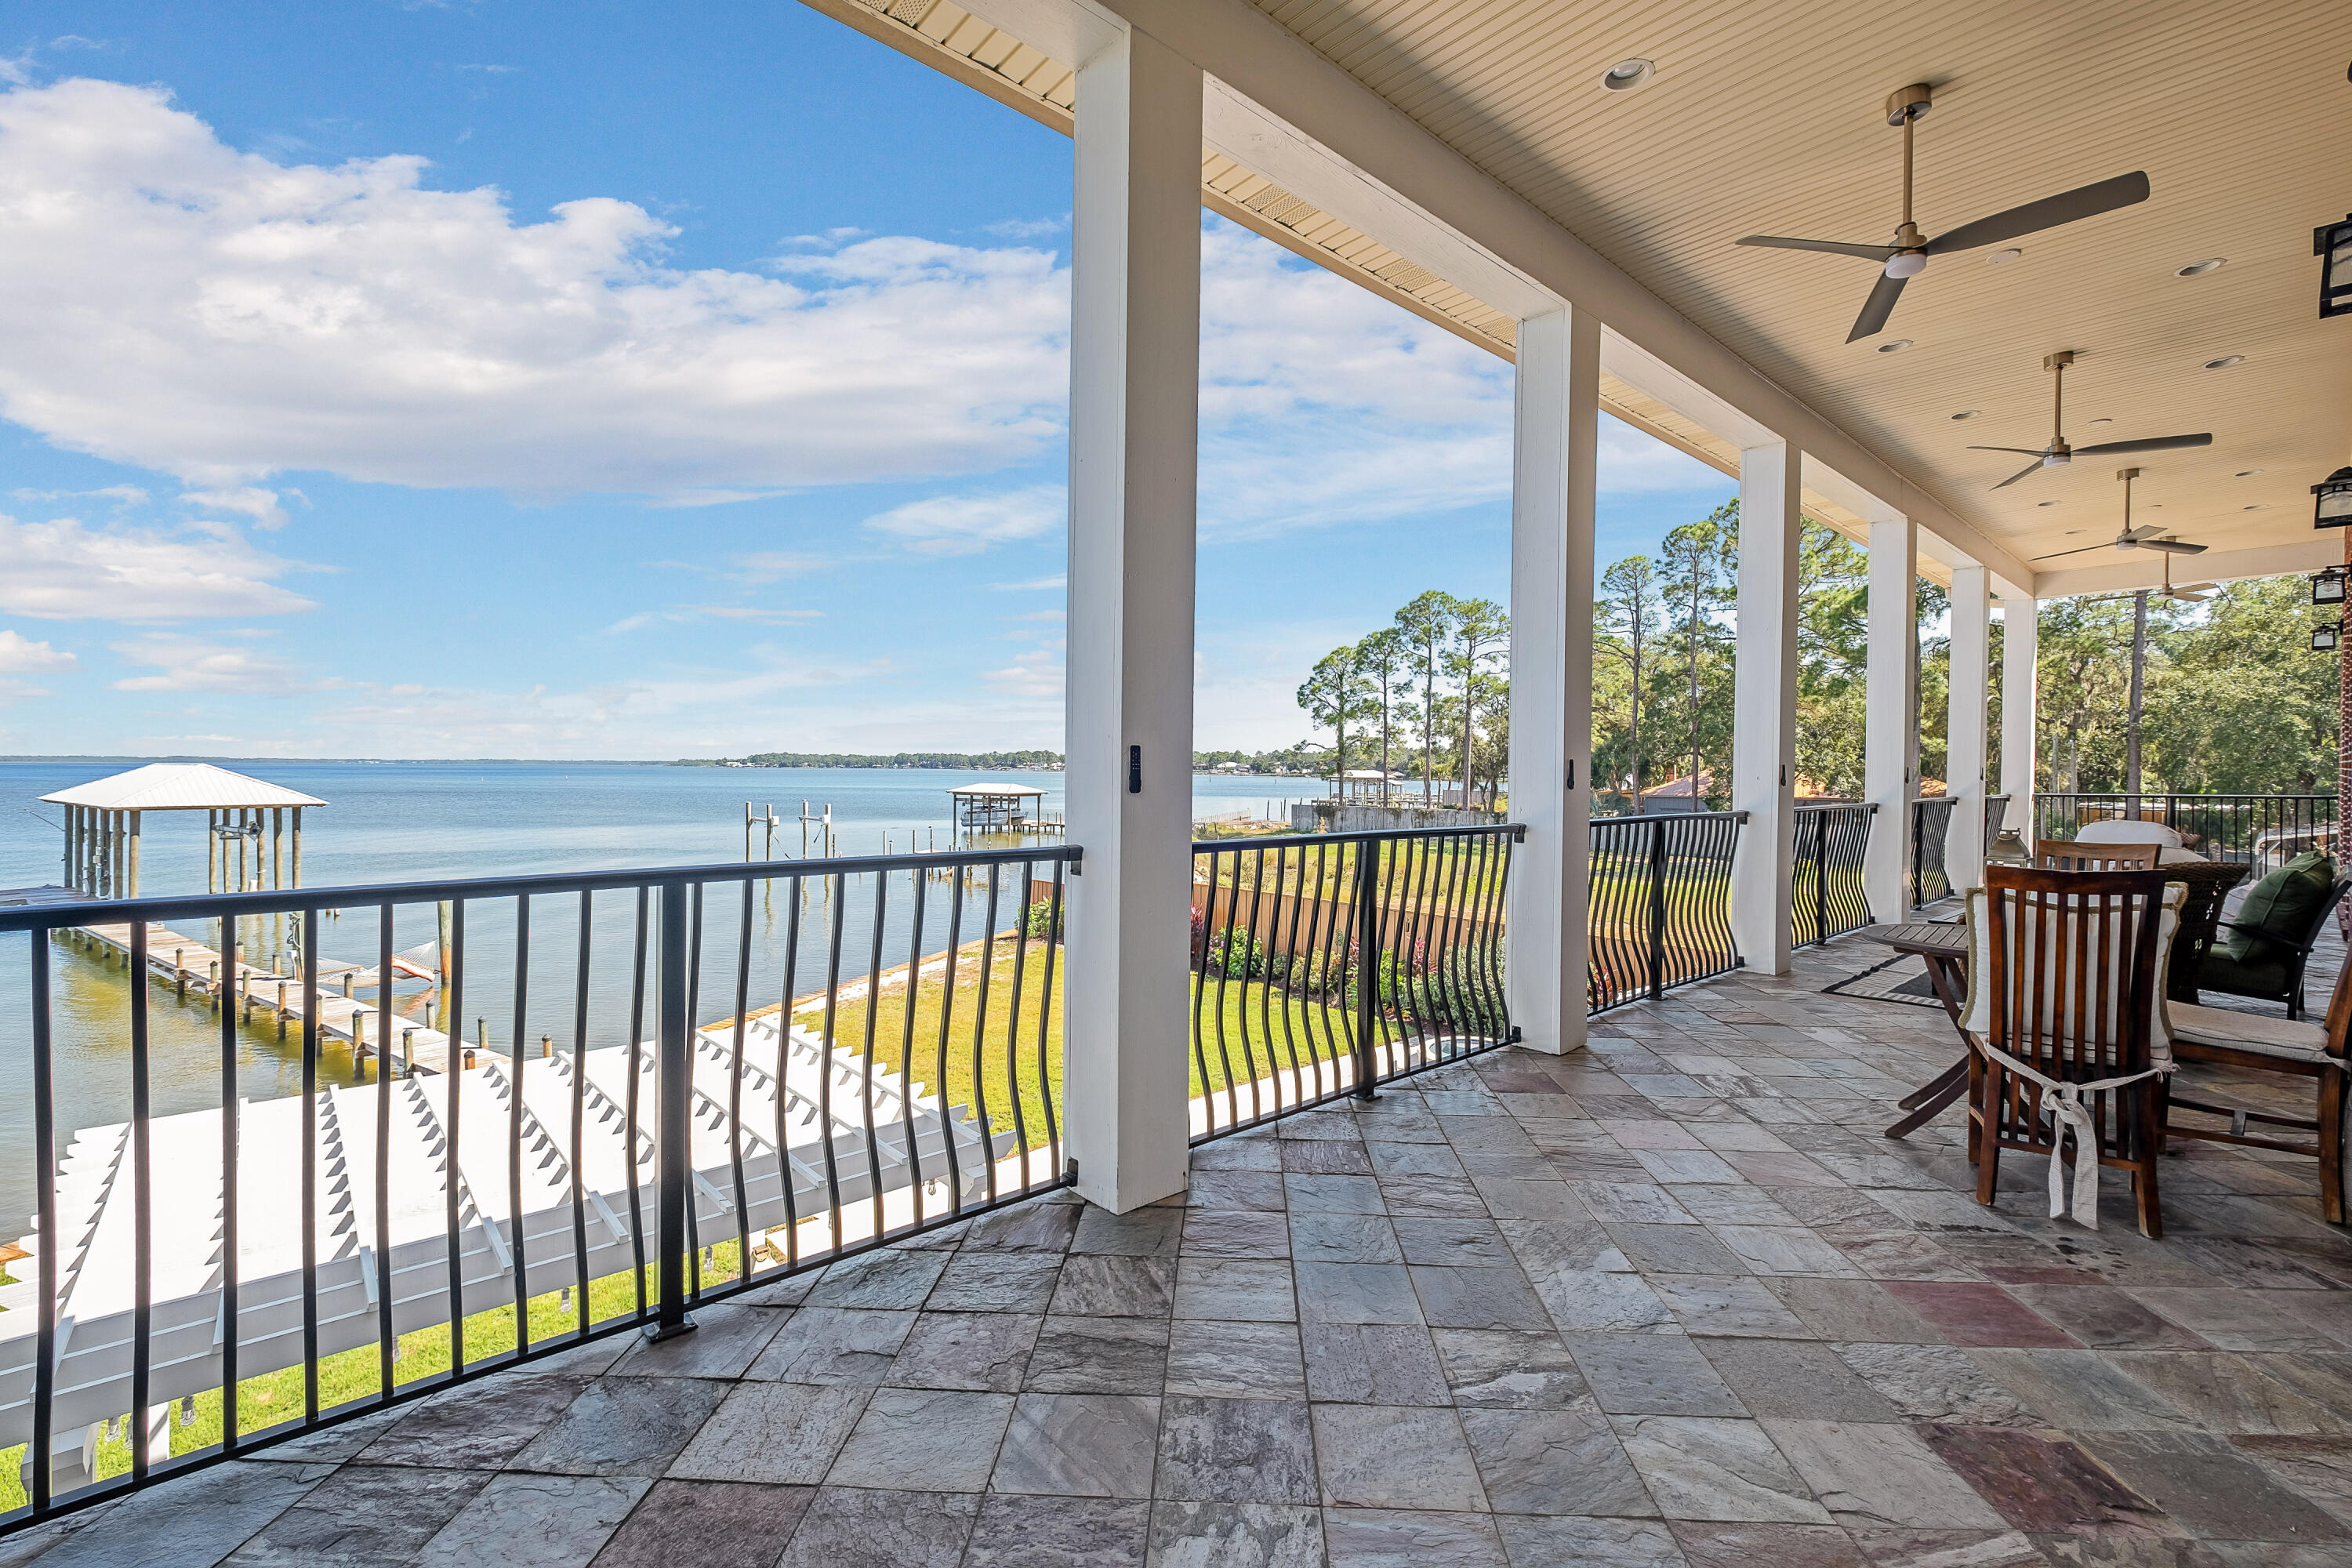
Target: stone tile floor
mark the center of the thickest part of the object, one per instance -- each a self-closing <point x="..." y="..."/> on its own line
<point x="1669" y="1301"/>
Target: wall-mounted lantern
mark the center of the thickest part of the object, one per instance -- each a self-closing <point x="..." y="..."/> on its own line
<point x="2324" y="638"/>
<point x="2335" y="243"/>
<point x="2334" y="507"/>
<point x="2327" y="588"/>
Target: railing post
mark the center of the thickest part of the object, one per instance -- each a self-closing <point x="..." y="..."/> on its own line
<point x="1918" y="839"/>
<point x="675" y="1075"/>
<point x="1368" y="961"/>
<point x="1657" y="908"/>
<point x="1820" y="876"/>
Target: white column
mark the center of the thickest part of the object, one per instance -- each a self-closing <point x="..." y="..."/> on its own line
<point x="1964" y="725"/>
<point x="1556" y="446"/>
<point x="1890" y="746"/>
<point x="1135" y="352"/>
<point x="2020" y="710"/>
<point x="1764" y="704"/>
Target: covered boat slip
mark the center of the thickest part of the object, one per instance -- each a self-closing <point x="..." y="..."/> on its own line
<point x="104" y="819"/>
<point x="392" y="1177"/>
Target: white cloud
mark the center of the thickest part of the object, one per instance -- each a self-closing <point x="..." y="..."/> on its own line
<point x="168" y="302"/>
<point x="245" y="501"/>
<point x="755" y="613"/>
<point x="767" y="565"/>
<point x="1055" y="583"/>
<point x="960" y="525"/>
<point x="19" y="655"/>
<point x="66" y="571"/>
<point x="121" y="495"/>
<point x="190" y="664"/>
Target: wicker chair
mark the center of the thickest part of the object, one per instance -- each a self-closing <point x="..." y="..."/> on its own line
<point x="2067" y="1045"/>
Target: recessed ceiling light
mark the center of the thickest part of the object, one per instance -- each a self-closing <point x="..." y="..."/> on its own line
<point x="2225" y="362"/>
<point x="1627" y="75"/>
<point x="2247" y="473"/>
<point x="2003" y="257"/>
<point x="2199" y="269"/>
<point x="1894" y="345"/>
<point x="2102" y="421"/>
<point x="1967" y="412"/>
<point x="2045" y="503"/>
<point x="2256" y="507"/>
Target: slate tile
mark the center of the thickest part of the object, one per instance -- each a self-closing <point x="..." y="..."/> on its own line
<point x="1238" y="1361"/>
<point x="1100" y="1356"/>
<point x="1800" y="1378"/>
<point x="1875" y="1473"/>
<point x="1235" y="1450"/>
<point x="1228" y="1535"/>
<point x="1058" y="1532"/>
<point x="1080" y="1445"/>
<point x="778" y="1433"/>
<point x="711" y="1524"/>
<point x="924" y="1440"/>
<point x="361" y="1515"/>
<point x="1406" y="1537"/>
<point x="1372" y="1363"/>
<point x="2211" y="1487"/>
<point x="2042" y="1482"/>
<point x="1651" y="1374"/>
<point x="622" y="1426"/>
<point x="966" y="1350"/>
<point x="833" y="1344"/>
<point x="1116" y="1287"/>
<point x="1716" y="1469"/>
<point x="535" y="1521"/>
<point x="1373" y="1455"/>
<point x="851" y="1527"/>
<point x="1553" y="1462"/>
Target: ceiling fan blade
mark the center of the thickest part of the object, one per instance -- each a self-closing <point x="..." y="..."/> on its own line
<point x="2145" y="531"/>
<point x="2068" y="207"/>
<point x="2085" y="550"/>
<point x="2020" y="451"/>
<point x="2153" y="444"/>
<point x="1877" y="308"/>
<point x="2032" y="467"/>
<point x="2200" y="588"/>
<point x="1834" y="246"/>
<point x="2173" y="546"/>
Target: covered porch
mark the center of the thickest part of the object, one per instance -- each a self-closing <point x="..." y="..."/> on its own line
<point x="1670" y="1299"/>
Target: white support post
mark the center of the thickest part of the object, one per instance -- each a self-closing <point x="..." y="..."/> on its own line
<point x="1890" y="746"/>
<point x="1135" y="352"/>
<point x="1556" y="449"/>
<point x="1764" y="705"/>
<point x="2020" y="710"/>
<point x="1964" y="727"/>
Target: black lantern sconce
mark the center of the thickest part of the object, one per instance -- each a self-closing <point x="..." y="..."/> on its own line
<point x="2333" y="507"/>
<point x="2324" y="638"/>
<point x="2335" y="243"/>
<point x="2327" y="588"/>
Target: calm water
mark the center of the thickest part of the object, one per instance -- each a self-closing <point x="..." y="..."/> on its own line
<point x="402" y="821"/>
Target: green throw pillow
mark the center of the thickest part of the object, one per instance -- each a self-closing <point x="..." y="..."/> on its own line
<point x="2281" y="906"/>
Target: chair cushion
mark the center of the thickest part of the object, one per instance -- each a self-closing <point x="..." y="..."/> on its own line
<point x="2195" y="1026"/>
<point x="2278" y="911"/>
<point x="1976" y="1017"/>
<point x="2127" y="832"/>
<point x="2264" y="977"/>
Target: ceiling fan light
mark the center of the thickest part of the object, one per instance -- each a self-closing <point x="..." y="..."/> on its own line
<point x="2056" y="459"/>
<point x="1906" y="264"/>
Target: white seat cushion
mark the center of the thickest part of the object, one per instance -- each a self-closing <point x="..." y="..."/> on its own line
<point x="2118" y="832"/>
<point x="2254" y="1032"/>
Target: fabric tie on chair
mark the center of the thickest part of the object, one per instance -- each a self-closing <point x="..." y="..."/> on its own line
<point x="2073" y="1115"/>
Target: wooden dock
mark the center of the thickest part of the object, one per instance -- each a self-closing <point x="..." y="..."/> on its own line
<point x="190" y="966"/>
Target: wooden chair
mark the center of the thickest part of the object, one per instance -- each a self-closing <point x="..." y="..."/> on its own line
<point x="2062" y="855"/>
<point x="2067" y="1044"/>
<point x="2258" y="1043"/>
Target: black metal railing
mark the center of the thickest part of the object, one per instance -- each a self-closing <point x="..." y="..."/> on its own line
<point x="2263" y="831"/>
<point x="1660" y="911"/>
<point x="234" y="1264"/>
<point x="1931" y="826"/>
<point x="1326" y="963"/>
<point x="1996" y="817"/>
<point x="1825" y="895"/>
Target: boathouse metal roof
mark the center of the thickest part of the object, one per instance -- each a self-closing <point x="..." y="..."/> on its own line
<point x="180" y="787"/>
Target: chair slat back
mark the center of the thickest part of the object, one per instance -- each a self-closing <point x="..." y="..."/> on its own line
<point x="2072" y="967"/>
<point x="2064" y="855"/>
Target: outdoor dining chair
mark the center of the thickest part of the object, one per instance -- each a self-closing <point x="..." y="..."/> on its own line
<point x="2257" y="1043"/>
<point x="2067" y="1034"/>
<point x="2082" y="854"/>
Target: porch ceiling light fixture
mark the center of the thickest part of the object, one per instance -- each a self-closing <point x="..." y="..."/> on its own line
<point x="1893" y="345"/>
<point x="2199" y="268"/>
<point x="2225" y="362"/>
<point x="1968" y="414"/>
<point x="2003" y="257"/>
<point x="2335" y="243"/>
<point x="2327" y="588"/>
<point x="1627" y="75"/>
<point x="2334" y="507"/>
<point x="2324" y="638"/>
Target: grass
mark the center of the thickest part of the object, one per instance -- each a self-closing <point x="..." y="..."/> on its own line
<point x="275" y="1397"/>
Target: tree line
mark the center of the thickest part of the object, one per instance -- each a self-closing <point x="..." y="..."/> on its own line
<point x="2235" y="702"/>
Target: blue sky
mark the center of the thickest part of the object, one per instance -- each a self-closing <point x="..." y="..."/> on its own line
<point x="591" y="380"/>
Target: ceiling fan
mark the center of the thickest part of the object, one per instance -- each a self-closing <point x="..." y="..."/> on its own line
<point x="2058" y="454"/>
<point x="2148" y="536"/>
<point x="1907" y="256"/>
